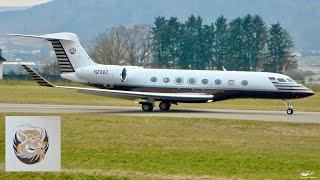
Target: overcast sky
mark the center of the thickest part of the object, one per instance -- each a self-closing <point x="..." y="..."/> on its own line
<point x="10" y="3"/>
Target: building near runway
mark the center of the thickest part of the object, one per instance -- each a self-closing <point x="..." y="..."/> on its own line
<point x="2" y="59"/>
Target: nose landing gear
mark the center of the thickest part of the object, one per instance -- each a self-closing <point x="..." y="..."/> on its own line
<point x="289" y="108"/>
<point x="289" y="111"/>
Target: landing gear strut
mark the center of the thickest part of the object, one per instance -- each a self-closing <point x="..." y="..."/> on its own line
<point x="165" y="106"/>
<point x="289" y="107"/>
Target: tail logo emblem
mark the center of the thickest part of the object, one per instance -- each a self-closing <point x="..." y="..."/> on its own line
<point x="72" y="50"/>
<point x="30" y="144"/>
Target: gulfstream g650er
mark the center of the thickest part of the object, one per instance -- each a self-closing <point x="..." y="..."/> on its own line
<point x="169" y="86"/>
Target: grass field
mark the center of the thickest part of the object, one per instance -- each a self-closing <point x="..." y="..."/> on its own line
<point x="97" y="145"/>
<point x="30" y="92"/>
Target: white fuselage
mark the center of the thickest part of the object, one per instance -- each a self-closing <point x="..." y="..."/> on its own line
<point x="226" y="84"/>
<point x="110" y="76"/>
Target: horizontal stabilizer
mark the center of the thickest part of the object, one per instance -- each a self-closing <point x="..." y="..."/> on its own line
<point x="35" y="76"/>
<point x="57" y="36"/>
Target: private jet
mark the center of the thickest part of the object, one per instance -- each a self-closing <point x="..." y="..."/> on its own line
<point x="168" y="86"/>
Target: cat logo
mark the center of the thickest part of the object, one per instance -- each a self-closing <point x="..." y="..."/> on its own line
<point x="30" y="144"/>
<point x="72" y="50"/>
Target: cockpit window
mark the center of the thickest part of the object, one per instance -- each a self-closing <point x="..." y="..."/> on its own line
<point x="290" y="80"/>
<point x="281" y="80"/>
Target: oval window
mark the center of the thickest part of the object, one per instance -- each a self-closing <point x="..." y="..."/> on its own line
<point x="204" y="81"/>
<point x="179" y="80"/>
<point x="244" y="82"/>
<point x="218" y="81"/>
<point x="231" y="82"/>
<point x="166" y="80"/>
<point x="153" y="79"/>
<point x="191" y="80"/>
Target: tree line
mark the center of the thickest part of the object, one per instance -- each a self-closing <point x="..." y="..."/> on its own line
<point x="244" y="44"/>
<point x="122" y="45"/>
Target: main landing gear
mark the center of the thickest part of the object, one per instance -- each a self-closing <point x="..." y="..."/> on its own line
<point x="289" y="108"/>
<point x="148" y="106"/>
<point x="165" y="106"/>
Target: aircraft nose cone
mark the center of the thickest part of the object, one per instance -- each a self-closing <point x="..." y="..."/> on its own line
<point x="310" y="92"/>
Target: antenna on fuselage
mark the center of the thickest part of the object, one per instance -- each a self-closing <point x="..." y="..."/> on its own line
<point x="224" y="69"/>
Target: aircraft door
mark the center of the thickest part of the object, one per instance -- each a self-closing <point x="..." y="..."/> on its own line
<point x="124" y="75"/>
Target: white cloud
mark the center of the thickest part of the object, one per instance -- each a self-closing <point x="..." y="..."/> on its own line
<point x="10" y="3"/>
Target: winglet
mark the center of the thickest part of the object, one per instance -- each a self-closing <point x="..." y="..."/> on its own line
<point x="36" y="77"/>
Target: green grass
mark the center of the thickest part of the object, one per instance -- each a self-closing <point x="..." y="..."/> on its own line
<point x="98" y="145"/>
<point x="30" y="92"/>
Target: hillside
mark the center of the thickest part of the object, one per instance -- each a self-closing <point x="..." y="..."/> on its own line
<point x="87" y="18"/>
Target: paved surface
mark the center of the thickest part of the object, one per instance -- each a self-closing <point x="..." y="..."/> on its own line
<point x="279" y="116"/>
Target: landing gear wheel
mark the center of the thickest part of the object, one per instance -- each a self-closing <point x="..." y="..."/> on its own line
<point x="290" y="111"/>
<point x="165" y="106"/>
<point x="289" y="107"/>
<point x="147" y="107"/>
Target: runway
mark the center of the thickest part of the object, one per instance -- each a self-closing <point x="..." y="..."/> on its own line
<point x="278" y="116"/>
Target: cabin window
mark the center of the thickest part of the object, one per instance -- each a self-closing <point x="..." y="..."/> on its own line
<point x="231" y="82"/>
<point x="166" y="80"/>
<point x="179" y="80"/>
<point x="281" y="80"/>
<point x="204" y="81"/>
<point x="153" y="79"/>
<point x="192" y="80"/>
<point x="244" y="83"/>
<point x="218" y="81"/>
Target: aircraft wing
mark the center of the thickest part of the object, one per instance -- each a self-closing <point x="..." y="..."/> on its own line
<point x="178" y="97"/>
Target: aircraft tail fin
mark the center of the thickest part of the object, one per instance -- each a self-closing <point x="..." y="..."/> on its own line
<point x="36" y="77"/>
<point x="69" y="52"/>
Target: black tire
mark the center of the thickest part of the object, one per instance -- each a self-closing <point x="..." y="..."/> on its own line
<point x="165" y="106"/>
<point x="147" y="107"/>
<point x="290" y="111"/>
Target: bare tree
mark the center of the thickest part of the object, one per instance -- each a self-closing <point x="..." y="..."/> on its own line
<point x="108" y="46"/>
<point x="121" y="45"/>
<point x="137" y="45"/>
